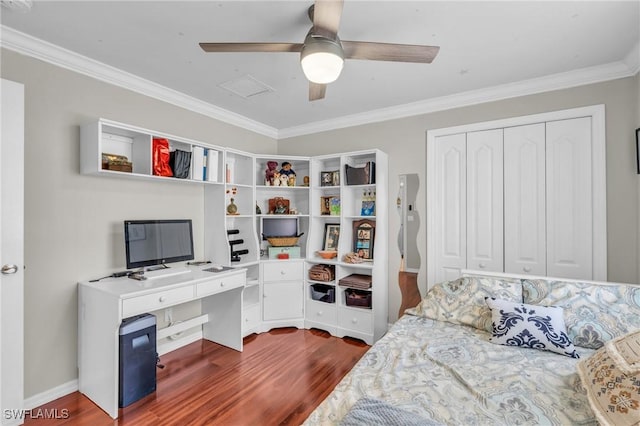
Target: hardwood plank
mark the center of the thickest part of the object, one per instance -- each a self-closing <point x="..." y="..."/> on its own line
<point x="279" y="378"/>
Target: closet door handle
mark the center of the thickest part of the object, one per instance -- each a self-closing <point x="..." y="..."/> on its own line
<point x="482" y="266"/>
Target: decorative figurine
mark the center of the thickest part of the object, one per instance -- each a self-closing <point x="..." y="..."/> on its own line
<point x="286" y="169"/>
<point x="276" y="179"/>
<point x="232" y="209"/>
<point x="270" y="172"/>
<point x="284" y="180"/>
<point x="305" y="181"/>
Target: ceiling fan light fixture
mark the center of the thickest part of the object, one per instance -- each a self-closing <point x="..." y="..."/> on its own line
<point x="322" y="59"/>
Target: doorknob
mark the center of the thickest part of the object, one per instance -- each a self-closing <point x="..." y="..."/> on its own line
<point x="9" y="269"/>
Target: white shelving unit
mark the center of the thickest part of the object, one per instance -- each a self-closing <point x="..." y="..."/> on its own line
<point x="277" y="292"/>
<point x="366" y="323"/>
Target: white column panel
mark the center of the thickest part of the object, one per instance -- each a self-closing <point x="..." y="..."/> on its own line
<point x="569" y="198"/>
<point x="524" y="200"/>
<point x="450" y="210"/>
<point x="485" y="200"/>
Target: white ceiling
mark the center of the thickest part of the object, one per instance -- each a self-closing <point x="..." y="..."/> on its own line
<point x="484" y="46"/>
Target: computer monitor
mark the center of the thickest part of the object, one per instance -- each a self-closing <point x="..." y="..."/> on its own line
<point x="156" y="242"/>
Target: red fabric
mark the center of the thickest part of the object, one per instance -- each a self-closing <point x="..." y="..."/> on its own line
<point x="161" y="157"/>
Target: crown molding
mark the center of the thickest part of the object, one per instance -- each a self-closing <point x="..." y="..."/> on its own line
<point x="39" y="49"/>
<point x="22" y="43"/>
<point x="549" y="83"/>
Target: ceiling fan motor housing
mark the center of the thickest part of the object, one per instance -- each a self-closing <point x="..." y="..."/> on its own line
<point x="321" y="58"/>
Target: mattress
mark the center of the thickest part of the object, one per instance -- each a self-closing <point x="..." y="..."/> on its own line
<point x="451" y="374"/>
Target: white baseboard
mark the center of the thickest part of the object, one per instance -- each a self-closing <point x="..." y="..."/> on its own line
<point x="172" y="345"/>
<point x="50" y="395"/>
<point x="72" y="386"/>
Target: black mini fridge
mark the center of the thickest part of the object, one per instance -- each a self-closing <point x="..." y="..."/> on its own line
<point x="137" y="372"/>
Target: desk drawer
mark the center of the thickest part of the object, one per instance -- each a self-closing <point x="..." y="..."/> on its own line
<point x="354" y="319"/>
<point x="220" y="284"/>
<point x="159" y="300"/>
<point x="283" y="271"/>
<point x="321" y="312"/>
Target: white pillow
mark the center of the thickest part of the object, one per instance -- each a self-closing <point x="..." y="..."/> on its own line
<point x="530" y="326"/>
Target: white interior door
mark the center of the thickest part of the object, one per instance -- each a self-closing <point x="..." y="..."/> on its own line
<point x="450" y="222"/>
<point x="484" y="200"/>
<point x="524" y="200"/>
<point x="11" y="251"/>
<point x="569" y="197"/>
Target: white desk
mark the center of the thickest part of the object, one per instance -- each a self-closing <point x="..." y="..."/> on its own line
<point x="102" y="305"/>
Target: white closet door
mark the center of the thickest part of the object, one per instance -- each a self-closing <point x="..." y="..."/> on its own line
<point x="485" y="200"/>
<point x="450" y="211"/>
<point x="524" y="200"/>
<point x="569" y="198"/>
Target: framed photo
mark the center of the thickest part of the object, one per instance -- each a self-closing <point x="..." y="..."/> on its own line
<point x="368" y="208"/>
<point x="278" y="205"/>
<point x="638" y="150"/>
<point x="330" y="205"/>
<point x="331" y="178"/>
<point x="331" y="236"/>
<point x="326" y="178"/>
<point x="363" y="238"/>
<point x="336" y="178"/>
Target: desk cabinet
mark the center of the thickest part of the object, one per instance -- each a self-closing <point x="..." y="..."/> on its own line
<point x="103" y="305"/>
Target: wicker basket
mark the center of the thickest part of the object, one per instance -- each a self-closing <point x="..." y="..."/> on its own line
<point x="283" y="241"/>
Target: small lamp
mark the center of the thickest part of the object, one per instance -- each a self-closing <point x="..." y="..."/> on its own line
<point x="321" y="59"/>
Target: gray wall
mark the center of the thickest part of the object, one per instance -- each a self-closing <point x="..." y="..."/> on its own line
<point x="73" y="223"/>
<point x="405" y="142"/>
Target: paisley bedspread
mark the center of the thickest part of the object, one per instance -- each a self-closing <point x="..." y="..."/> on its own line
<point x="451" y="374"/>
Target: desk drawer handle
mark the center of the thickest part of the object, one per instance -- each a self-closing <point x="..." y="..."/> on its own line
<point x="162" y="298"/>
<point x="221" y="284"/>
<point x="354" y="320"/>
<point x="283" y="272"/>
<point x="319" y="313"/>
<point x="527" y="269"/>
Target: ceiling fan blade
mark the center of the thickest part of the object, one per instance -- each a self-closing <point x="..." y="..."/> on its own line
<point x="389" y="52"/>
<point x="326" y="17"/>
<point x="316" y="91"/>
<point x="251" y="47"/>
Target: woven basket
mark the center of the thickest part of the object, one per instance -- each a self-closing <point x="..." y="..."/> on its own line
<point x="283" y="241"/>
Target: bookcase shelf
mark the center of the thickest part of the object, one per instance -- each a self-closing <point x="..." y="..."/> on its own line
<point x="229" y="173"/>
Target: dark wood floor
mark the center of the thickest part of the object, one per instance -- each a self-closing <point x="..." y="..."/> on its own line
<point x="279" y="378"/>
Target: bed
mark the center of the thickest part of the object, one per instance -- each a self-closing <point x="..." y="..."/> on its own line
<point x="444" y="363"/>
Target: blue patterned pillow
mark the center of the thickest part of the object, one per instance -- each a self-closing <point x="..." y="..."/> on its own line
<point x="530" y="326"/>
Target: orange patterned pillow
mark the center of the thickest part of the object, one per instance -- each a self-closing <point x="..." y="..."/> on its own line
<point x="612" y="379"/>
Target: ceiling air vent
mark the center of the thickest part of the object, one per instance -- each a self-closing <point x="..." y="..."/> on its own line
<point x="246" y="86"/>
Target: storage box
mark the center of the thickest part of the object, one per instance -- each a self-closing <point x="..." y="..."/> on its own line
<point x="292" y="251"/>
<point x="323" y="293"/>
<point x="358" y="298"/>
<point x="364" y="175"/>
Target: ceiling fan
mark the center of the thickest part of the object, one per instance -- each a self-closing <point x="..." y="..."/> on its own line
<point x="322" y="53"/>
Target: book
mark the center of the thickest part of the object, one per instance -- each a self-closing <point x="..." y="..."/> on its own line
<point x="198" y="163"/>
<point x="212" y="165"/>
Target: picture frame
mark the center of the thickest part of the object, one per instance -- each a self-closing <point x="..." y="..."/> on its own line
<point x="331" y="236"/>
<point x="368" y="208"/>
<point x="279" y="205"/>
<point x="638" y="150"/>
<point x="326" y="178"/>
<point x="330" y="205"/>
<point x="330" y="178"/>
<point x="364" y="238"/>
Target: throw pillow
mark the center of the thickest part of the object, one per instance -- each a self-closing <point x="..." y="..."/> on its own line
<point x="462" y="301"/>
<point x="530" y="326"/>
<point x="611" y="377"/>
<point x="593" y="312"/>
